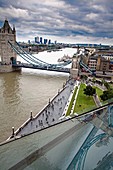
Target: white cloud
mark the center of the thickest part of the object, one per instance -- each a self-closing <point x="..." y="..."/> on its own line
<point x="92" y="16"/>
<point x="34" y="4"/>
<point x="62" y="18"/>
<point x="10" y="12"/>
<point x="99" y="8"/>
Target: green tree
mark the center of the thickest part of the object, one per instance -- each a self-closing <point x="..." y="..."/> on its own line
<point x="84" y="77"/>
<point x="89" y="90"/>
<point x="94" y="80"/>
<point x="108" y="94"/>
<point x="106" y="84"/>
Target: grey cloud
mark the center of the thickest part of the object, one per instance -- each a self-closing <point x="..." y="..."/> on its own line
<point x="61" y="18"/>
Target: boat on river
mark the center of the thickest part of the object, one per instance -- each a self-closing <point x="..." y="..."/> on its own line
<point x="65" y="58"/>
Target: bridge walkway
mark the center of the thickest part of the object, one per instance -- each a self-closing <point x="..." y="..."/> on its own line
<point x="35" y="63"/>
<point x="32" y="66"/>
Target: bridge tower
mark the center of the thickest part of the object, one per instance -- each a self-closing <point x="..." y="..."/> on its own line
<point x="7" y="55"/>
<point x="74" y="68"/>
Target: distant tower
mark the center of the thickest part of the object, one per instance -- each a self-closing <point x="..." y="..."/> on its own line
<point x="49" y="42"/>
<point x="7" y="55"/>
<point x="36" y="39"/>
<point x="74" y="71"/>
<point x="29" y="42"/>
<point x="55" y="42"/>
<point x="45" y="41"/>
<point x="40" y="40"/>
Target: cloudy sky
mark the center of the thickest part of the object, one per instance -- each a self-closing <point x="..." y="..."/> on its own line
<point x="69" y="21"/>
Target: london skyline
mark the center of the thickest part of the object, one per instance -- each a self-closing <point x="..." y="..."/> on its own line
<point x="65" y="21"/>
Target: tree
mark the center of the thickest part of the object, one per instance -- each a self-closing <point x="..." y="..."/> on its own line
<point x="108" y="94"/>
<point x="94" y="80"/>
<point x="89" y="90"/>
<point x="106" y="84"/>
<point x="84" y="77"/>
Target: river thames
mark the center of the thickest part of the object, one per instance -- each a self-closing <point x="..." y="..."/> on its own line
<point x="28" y="90"/>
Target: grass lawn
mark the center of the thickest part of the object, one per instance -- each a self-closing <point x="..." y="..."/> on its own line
<point x="99" y="92"/>
<point x="71" y="103"/>
<point x="83" y="102"/>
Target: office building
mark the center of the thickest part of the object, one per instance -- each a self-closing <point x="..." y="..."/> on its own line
<point x="36" y="39"/>
<point x="29" y="42"/>
<point x="55" y="42"/>
<point x="49" y="42"/>
<point x="45" y="41"/>
<point x="40" y="40"/>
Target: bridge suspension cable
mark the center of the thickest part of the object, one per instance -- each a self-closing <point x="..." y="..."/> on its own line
<point x="31" y="56"/>
<point x="25" y="58"/>
<point x="86" y="67"/>
<point x="23" y="55"/>
<point x="32" y="59"/>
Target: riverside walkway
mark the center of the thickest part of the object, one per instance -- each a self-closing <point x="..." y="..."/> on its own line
<point x="55" y="111"/>
<point x="50" y="114"/>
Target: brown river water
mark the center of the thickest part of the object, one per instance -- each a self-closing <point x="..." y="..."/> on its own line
<point x="29" y="90"/>
<point x="21" y="93"/>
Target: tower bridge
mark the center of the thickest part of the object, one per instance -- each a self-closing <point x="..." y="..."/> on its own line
<point x="9" y="49"/>
<point x="35" y="63"/>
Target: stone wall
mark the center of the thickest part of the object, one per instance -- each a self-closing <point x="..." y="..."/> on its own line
<point x="8" y="68"/>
